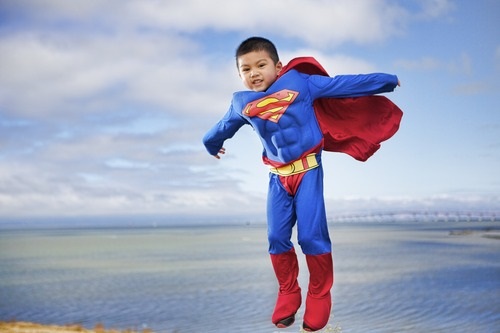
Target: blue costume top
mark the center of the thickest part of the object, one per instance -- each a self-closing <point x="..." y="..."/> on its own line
<point x="283" y="116"/>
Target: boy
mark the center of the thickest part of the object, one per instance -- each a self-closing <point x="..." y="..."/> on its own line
<point x="279" y="106"/>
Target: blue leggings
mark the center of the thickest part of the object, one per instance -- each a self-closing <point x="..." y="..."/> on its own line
<point x="304" y="206"/>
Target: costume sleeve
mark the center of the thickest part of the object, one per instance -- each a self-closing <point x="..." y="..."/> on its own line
<point x="341" y="86"/>
<point x="223" y="130"/>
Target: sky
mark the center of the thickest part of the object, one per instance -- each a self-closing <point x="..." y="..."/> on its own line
<point x="103" y="104"/>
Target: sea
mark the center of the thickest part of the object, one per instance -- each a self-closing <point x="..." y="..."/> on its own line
<point x="389" y="277"/>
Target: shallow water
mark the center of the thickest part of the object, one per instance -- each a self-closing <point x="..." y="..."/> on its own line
<point x="388" y="278"/>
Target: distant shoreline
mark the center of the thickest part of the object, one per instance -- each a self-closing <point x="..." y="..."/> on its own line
<point x="151" y="221"/>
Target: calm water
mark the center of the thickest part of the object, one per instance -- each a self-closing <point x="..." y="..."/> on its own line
<point x="388" y="278"/>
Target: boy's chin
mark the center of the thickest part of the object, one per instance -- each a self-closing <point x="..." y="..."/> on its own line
<point x="259" y="89"/>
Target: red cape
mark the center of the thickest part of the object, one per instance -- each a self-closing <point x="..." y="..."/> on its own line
<point x="355" y="126"/>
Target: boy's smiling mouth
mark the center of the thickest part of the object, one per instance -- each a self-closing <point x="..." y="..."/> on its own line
<point x="257" y="83"/>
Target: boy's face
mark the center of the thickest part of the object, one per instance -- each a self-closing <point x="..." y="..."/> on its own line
<point x="257" y="70"/>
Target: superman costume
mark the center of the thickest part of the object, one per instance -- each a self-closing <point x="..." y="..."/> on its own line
<point x="301" y="114"/>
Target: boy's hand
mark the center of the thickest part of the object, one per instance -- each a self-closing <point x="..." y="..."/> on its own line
<point x="221" y="151"/>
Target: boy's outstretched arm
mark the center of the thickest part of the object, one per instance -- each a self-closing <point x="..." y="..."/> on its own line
<point x="220" y="132"/>
<point x="357" y="85"/>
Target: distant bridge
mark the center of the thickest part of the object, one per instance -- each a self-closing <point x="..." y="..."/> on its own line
<point x="418" y="216"/>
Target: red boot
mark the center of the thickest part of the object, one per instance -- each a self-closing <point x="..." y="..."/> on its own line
<point x="319" y="299"/>
<point x="286" y="268"/>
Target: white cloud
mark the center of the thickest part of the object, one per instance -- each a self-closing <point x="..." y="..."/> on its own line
<point x="459" y="65"/>
<point x="131" y="50"/>
<point x="50" y="75"/>
<point x="472" y="88"/>
<point x="333" y="63"/>
<point x="432" y="9"/>
<point x="27" y="190"/>
<point x="319" y="23"/>
<point x="424" y="63"/>
<point x="316" y="21"/>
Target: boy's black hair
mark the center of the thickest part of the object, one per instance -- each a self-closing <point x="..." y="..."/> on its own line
<point x="257" y="44"/>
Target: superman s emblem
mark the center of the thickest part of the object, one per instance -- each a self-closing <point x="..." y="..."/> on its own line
<point x="271" y="107"/>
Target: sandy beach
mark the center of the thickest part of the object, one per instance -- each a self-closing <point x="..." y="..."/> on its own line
<point x="27" y="327"/>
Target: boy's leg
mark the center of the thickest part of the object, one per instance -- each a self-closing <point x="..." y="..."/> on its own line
<point x="316" y="245"/>
<point x="286" y="268"/>
<point x="312" y="226"/>
<point x="319" y="299"/>
<point x="281" y="219"/>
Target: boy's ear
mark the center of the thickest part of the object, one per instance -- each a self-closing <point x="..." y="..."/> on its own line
<point x="279" y="66"/>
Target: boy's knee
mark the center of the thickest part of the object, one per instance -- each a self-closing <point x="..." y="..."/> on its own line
<point x="279" y="244"/>
<point x="314" y="245"/>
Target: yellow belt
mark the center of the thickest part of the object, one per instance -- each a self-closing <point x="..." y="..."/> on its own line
<point x="304" y="164"/>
